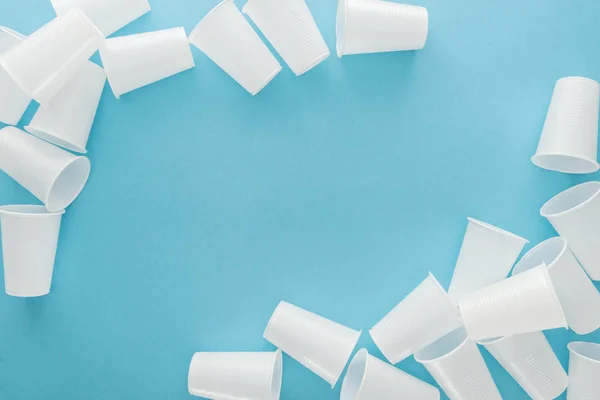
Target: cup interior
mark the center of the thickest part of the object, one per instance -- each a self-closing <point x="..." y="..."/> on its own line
<point x="546" y="252"/>
<point x="588" y="350"/>
<point x="69" y="183"/>
<point x="355" y="376"/>
<point x="277" y="376"/>
<point x="442" y="347"/>
<point x="570" y="199"/>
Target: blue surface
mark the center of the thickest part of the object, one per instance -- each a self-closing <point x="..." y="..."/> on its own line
<point x="337" y="191"/>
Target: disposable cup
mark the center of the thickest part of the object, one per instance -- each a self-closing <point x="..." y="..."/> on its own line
<point x="138" y="60"/>
<point x="575" y="214"/>
<point x="456" y="364"/>
<point x="569" y="141"/>
<point x="578" y="296"/>
<point x="530" y="360"/>
<point x="226" y="376"/>
<point x="486" y="256"/>
<point x="421" y="318"/>
<point x="51" y="174"/>
<point x="227" y="38"/>
<point x="291" y="29"/>
<point x="523" y="303"/>
<point x="13" y="100"/>
<point x="369" y="378"/>
<point x="321" y="345"/>
<point x="29" y="240"/>
<point x="584" y="371"/>
<point x="48" y="58"/>
<point x="365" y="26"/>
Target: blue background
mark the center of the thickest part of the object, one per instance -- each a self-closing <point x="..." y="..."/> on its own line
<point x="337" y="191"/>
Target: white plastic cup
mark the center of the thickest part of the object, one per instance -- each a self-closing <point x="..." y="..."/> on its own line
<point x="13" y="100"/>
<point x="523" y="303"/>
<point x="291" y="29"/>
<point x="578" y="296"/>
<point x="226" y="376"/>
<point x="67" y="120"/>
<point x="530" y="360"/>
<point x="369" y="378"/>
<point x="138" y="60"/>
<point x="321" y="345"/>
<point x="48" y="58"/>
<point x="227" y="38"/>
<point x="575" y="214"/>
<point x="569" y="141"/>
<point x="456" y="364"/>
<point x="584" y="371"/>
<point x="51" y="174"/>
<point x="29" y="241"/>
<point x="486" y="256"/>
<point x="421" y="318"/>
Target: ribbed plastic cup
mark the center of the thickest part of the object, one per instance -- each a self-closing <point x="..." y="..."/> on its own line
<point x="48" y="58"/>
<point x="486" y="256"/>
<point x="584" y="371"/>
<point x="523" y="303"/>
<point x="291" y="29"/>
<point x="321" y="345"/>
<point x="134" y="61"/>
<point x="569" y="141"/>
<point x="226" y="376"/>
<point x="578" y="296"/>
<point x="421" y="318"/>
<point x="29" y="241"/>
<point x="575" y="214"/>
<point x="227" y="38"/>
<point x="530" y="360"/>
<point x="67" y="120"/>
<point x="458" y="367"/>
<point x="366" y="26"/>
<point x="13" y="100"/>
<point x="370" y="378"/>
<point x="108" y="15"/>
<point x="51" y="174"/>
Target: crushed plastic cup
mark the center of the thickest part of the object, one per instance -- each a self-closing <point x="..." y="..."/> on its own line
<point x="575" y="215"/>
<point x="584" y="371"/>
<point x="224" y="376"/>
<point x="366" y="26"/>
<point x="523" y="303"/>
<point x="13" y="100"/>
<point x="569" y="141"/>
<point x="227" y="38"/>
<point x="134" y="61"/>
<point x="321" y="345"/>
<point x="421" y="318"/>
<point x="48" y="58"/>
<point x="51" y="174"/>
<point x="457" y="365"/>
<point x="370" y="378"/>
<point x="291" y="29"/>
<point x="29" y="241"/>
<point x="578" y="296"/>
<point x="486" y="256"/>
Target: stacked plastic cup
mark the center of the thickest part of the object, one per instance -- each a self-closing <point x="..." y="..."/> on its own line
<point x="321" y="345"/>
<point x="13" y="100"/>
<point x="575" y="214"/>
<point x="584" y="371"/>
<point x="291" y="28"/>
<point x="569" y="141"/>
<point x="227" y="38"/>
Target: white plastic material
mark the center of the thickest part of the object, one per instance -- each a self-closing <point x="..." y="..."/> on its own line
<point x="227" y="38"/>
<point x="138" y="60"/>
<point x="365" y="26"/>
<point x="68" y="119"/>
<point x="530" y="360"/>
<point x="47" y="59"/>
<point x="569" y="141"/>
<point x="13" y="100"/>
<point x="523" y="303"/>
<point x="486" y="256"/>
<point x="424" y="316"/>
<point x="29" y="240"/>
<point x="578" y="296"/>
<point x="584" y="371"/>
<point x="369" y="378"/>
<point x="108" y="15"/>
<point x="321" y="345"/>
<point x="575" y="214"/>
<point x="291" y="28"/>
<point x="53" y="175"/>
<point x="226" y="376"/>
<point x="458" y="367"/>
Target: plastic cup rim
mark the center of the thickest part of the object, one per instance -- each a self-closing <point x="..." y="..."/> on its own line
<point x="448" y="354"/>
<point x="78" y="192"/>
<point x="546" y="242"/>
<point x="579" y="353"/>
<point x="347" y="356"/>
<point x="362" y="352"/>
<point x="564" y="193"/>
<point x="340" y="44"/>
<point x="592" y="163"/>
<point x="54" y="138"/>
<point x="12" y="32"/>
<point x="497" y="230"/>
<point x="4" y="210"/>
<point x="215" y="8"/>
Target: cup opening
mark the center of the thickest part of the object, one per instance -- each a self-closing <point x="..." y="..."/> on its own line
<point x="28" y="210"/>
<point x="340" y="27"/>
<point x="546" y="252"/>
<point x="355" y="376"/>
<point x="69" y="183"/>
<point x="53" y="138"/>
<point x="443" y="347"/>
<point x="571" y="199"/>
<point x="565" y="163"/>
<point x="277" y="376"/>
<point x="587" y="350"/>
